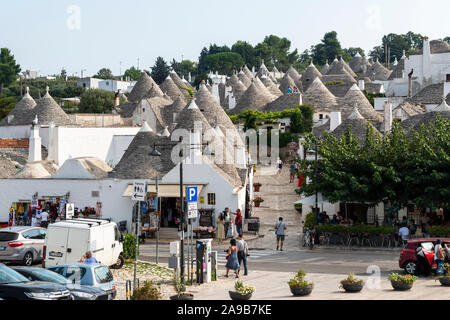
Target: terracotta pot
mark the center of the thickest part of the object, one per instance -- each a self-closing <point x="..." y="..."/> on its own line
<point x="353" y="287"/>
<point x="257" y="204"/>
<point x="301" y="291"/>
<point x="256" y="189"/>
<point x="237" y="296"/>
<point x="401" y="286"/>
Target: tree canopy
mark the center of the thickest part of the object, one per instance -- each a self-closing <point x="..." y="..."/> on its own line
<point x="160" y="70"/>
<point x="9" y="70"/>
<point x="133" y="73"/>
<point x="104" y="73"/>
<point x="96" y="101"/>
<point x="410" y="42"/>
<point x="390" y="168"/>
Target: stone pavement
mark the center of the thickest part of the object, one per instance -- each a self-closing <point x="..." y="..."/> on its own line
<point x="273" y="286"/>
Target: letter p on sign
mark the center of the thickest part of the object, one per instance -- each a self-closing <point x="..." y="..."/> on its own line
<point x="192" y="194"/>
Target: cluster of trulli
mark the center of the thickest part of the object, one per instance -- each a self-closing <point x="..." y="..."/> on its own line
<point x="167" y="112"/>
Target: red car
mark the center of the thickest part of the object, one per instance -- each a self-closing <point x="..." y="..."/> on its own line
<point x="413" y="262"/>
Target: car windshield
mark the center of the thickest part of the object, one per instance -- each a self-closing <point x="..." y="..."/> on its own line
<point x="8" y="275"/>
<point x="103" y="274"/>
<point x="8" y="236"/>
<point x="428" y="246"/>
<point x="49" y="276"/>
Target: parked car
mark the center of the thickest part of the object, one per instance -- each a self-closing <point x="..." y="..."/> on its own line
<point x="14" y="286"/>
<point x="79" y="292"/>
<point x="67" y="241"/>
<point x="22" y="244"/>
<point x="95" y="275"/>
<point x="414" y="263"/>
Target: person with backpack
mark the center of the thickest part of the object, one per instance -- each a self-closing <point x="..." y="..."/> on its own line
<point x="280" y="226"/>
<point x="242" y="252"/>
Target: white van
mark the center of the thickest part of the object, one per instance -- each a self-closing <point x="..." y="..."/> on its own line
<point x="67" y="241"/>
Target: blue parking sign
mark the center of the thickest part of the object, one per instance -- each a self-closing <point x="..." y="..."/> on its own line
<point x="192" y="194"/>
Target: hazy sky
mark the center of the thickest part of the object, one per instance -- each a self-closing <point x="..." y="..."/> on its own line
<point x="46" y="35"/>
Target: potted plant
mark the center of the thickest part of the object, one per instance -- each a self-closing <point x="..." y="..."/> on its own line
<point x="352" y="284"/>
<point x="257" y="186"/>
<point x="254" y="168"/>
<point x="180" y="289"/>
<point x="242" y="292"/>
<point x="445" y="279"/>
<point x="400" y="282"/>
<point x="299" y="286"/>
<point x="298" y="207"/>
<point x="148" y="292"/>
<point x="258" y="201"/>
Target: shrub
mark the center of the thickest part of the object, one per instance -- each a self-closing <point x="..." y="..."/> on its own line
<point x="439" y="231"/>
<point x="408" y="279"/>
<point x="310" y="220"/>
<point x="242" y="289"/>
<point x="148" y="292"/>
<point x="129" y="246"/>
<point x="299" y="280"/>
<point x="351" y="279"/>
<point x="258" y="199"/>
<point x="332" y="83"/>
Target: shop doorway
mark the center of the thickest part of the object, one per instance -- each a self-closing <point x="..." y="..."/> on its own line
<point x="170" y="212"/>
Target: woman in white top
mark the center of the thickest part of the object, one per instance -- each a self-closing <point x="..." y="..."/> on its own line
<point x="279" y="165"/>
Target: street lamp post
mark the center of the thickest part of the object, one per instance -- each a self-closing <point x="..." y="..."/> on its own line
<point x="155" y="153"/>
<point x="315" y="182"/>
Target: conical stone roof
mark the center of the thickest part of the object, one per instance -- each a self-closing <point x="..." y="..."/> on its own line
<point x="325" y="68"/>
<point x="355" y="98"/>
<point x="244" y="79"/>
<point x="33" y="170"/>
<point x="378" y="72"/>
<point x="310" y="74"/>
<point x="271" y="86"/>
<point x="232" y="81"/>
<point x="189" y="116"/>
<point x="442" y="107"/>
<point x="142" y="86"/>
<point x="176" y="107"/>
<point x="171" y="89"/>
<point x="253" y="99"/>
<point x="319" y="96"/>
<point x="247" y="72"/>
<point x="22" y="112"/>
<point x="263" y="88"/>
<point x="293" y="73"/>
<point x="47" y="111"/>
<point x="154" y="92"/>
<point x="341" y="68"/>
<point x="263" y="71"/>
<point x="238" y="90"/>
<point x="286" y="82"/>
<point x="358" y="126"/>
<point x="284" y="102"/>
<point x="359" y="64"/>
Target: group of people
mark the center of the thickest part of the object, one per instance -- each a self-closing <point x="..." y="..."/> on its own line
<point x="291" y="90"/>
<point x="225" y="224"/>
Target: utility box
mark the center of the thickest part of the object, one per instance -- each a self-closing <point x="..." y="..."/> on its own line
<point x="174" y="262"/>
<point x="203" y="258"/>
<point x="175" y="248"/>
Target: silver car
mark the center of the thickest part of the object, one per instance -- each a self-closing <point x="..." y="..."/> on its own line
<point x="22" y="244"/>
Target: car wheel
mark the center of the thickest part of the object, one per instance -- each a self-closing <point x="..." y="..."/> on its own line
<point x="411" y="267"/>
<point x="27" y="259"/>
<point x="119" y="263"/>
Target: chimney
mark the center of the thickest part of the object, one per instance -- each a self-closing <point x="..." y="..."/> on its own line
<point x="117" y="98"/>
<point x="335" y="120"/>
<point x="410" y="83"/>
<point x="231" y="102"/>
<point x="361" y="85"/>
<point x="34" y="151"/>
<point x="387" y="124"/>
<point x="52" y="143"/>
<point x="426" y="64"/>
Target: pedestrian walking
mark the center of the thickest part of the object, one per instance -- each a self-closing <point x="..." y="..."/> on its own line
<point x="279" y="165"/>
<point x="226" y="218"/>
<point x="242" y="252"/>
<point x="220" y="227"/>
<point x="238" y="221"/>
<point x="439" y="257"/>
<point x="44" y="219"/>
<point x="292" y="170"/>
<point x="280" y="226"/>
<point x="232" y="263"/>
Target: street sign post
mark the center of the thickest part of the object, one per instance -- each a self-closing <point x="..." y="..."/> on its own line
<point x="70" y="209"/>
<point x="138" y="192"/>
<point x="192" y="195"/>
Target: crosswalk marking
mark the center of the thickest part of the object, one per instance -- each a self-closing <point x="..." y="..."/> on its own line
<point x="253" y="254"/>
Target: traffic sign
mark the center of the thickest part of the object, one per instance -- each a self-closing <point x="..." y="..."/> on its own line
<point x="192" y="213"/>
<point x="138" y="192"/>
<point x="192" y="193"/>
<point x="70" y="209"/>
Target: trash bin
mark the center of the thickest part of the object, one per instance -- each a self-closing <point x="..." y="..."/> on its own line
<point x="253" y="224"/>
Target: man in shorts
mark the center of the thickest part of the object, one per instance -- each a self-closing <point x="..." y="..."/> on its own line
<point x="280" y="227"/>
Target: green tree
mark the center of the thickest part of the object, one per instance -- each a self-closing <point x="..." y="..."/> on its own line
<point x="410" y="42"/>
<point x="247" y="52"/>
<point x="63" y="74"/>
<point x="329" y="48"/>
<point x="104" y="73"/>
<point x="184" y="67"/>
<point x="276" y="49"/>
<point x="133" y="73"/>
<point x="9" y="70"/>
<point x="349" y="53"/>
<point x="447" y="39"/>
<point x="7" y="103"/>
<point x="96" y="101"/>
<point x="160" y="70"/>
<point x="224" y="62"/>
